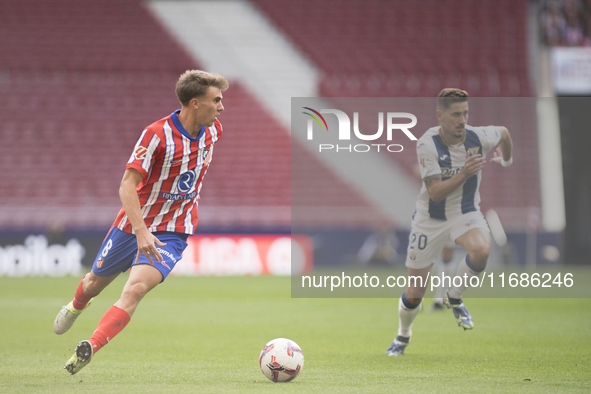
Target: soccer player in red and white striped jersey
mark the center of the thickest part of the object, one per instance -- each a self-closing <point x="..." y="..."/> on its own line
<point x="172" y="164"/>
<point x="160" y="193"/>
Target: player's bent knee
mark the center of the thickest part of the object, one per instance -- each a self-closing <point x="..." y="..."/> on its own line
<point x="479" y="256"/>
<point x="136" y="291"/>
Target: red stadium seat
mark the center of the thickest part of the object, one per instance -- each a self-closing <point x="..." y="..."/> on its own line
<point x="80" y="82"/>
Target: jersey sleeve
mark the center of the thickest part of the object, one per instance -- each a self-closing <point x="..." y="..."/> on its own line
<point x="489" y="137"/>
<point x="144" y="152"/>
<point x="428" y="160"/>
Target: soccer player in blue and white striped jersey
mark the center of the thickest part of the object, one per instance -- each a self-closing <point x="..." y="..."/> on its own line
<point x="451" y="158"/>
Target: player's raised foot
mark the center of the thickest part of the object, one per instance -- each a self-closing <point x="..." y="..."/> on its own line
<point x="462" y="315"/>
<point x="66" y="317"/>
<point x="398" y="345"/>
<point x="81" y="357"/>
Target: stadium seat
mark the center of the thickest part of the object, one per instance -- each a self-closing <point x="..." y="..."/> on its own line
<point x="80" y="81"/>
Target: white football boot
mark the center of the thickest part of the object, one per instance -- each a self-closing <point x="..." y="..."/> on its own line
<point x="66" y="317"/>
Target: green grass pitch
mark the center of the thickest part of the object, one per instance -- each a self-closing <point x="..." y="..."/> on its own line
<point x="204" y="335"/>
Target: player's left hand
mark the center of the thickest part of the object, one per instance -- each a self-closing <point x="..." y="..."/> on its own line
<point x="147" y="243"/>
<point x="497" y="157"/>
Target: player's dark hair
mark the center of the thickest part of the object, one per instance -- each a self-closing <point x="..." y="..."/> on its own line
<point x="449" y="96"/>
<point x="194" y="83"/>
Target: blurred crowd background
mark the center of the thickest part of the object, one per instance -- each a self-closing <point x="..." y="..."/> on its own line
<point x="566" y="22"/>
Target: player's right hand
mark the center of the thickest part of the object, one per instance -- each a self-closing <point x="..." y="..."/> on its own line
<point x="146" y="244"/>
<point x="473" y="164"/>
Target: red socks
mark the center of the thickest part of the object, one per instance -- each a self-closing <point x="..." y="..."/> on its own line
<point x="80" y="299"/>
<point x="111" y="324"/>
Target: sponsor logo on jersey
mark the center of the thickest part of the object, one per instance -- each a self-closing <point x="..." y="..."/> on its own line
<point x="99" y="262"/>
<point x="473" y="151"/>
<point x="442" y="158"/>
<point x="140" y="153"/>
<point x="178" y="197"/>
<point x="449" y="172"/>
<point x="186" y="181"/>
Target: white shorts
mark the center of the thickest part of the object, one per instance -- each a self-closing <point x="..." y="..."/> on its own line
<point x="428" y="236"/>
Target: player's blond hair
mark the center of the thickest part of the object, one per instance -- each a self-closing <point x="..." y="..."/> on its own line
<point x="449" y="96"/>
<point x="194" y="83"/>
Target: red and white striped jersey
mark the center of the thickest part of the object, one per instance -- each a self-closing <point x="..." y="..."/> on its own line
<point x="173" y="165"/>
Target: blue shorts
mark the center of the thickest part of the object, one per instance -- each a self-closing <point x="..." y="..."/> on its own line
<point x="119" y="250"/>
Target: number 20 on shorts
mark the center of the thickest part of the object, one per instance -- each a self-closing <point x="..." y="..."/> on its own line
<point x="422" y="241"/>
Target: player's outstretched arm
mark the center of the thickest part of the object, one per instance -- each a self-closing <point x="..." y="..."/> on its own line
<point x="145" y="239"/>
<point x="439" y="189"/>
<point x="503" y="155"/>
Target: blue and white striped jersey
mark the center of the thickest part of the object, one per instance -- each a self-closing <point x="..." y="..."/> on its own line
<point x="436" y="158"/>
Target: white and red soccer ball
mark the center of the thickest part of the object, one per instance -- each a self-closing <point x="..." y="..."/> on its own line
<point x="281" y="360"/>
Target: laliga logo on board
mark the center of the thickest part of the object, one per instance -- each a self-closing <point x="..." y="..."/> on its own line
<point x="344" y="131"/>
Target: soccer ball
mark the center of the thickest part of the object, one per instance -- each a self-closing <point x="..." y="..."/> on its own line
<point x="281" y="360"/>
